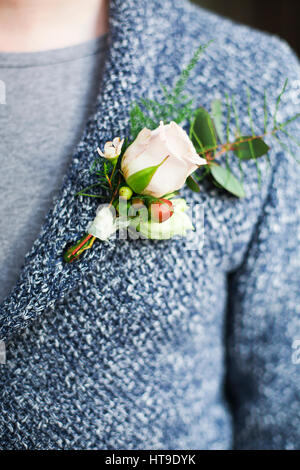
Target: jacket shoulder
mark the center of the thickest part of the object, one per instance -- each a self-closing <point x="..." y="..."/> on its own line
<point x="238" y="53"/>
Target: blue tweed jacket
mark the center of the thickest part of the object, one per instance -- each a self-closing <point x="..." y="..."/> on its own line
<point x="148" y="344"/>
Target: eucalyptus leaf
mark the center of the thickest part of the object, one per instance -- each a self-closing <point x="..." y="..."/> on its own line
<point x="202" y="131"/>
<point x="227" y="180"/>
<point x="252" y="149"/>
<point x="192" y="184"/>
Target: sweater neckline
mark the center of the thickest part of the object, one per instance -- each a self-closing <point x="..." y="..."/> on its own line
<point x="53" y="56"/>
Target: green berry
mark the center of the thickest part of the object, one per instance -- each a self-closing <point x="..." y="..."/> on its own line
<point x="125" y="192"/>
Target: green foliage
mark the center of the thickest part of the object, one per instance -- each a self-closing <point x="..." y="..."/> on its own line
<point x="203" y="132"/>
<point x="278" y="102"/>
<point x="201" y="173"/>
<point x="183" y="78"/>
<point x="107" y="174"/>
<point x="289" y="121"/>
<point x="247" y="147"/>
<point x="250" y="112"/>
<point x="140" y="180"/>
<point x="192" y="184"/>
<point x="217" y="117"/>
<point x="227" y="180"/>
<point x="265" y="113"/>
<point x="139" y="120"/>
<point x="175" y="105"/>
<point x="206" y="132"/>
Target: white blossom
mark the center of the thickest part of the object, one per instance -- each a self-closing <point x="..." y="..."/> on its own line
<point x="112" y="149"/>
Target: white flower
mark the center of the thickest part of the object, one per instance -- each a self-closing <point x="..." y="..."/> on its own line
<point x="112" y="150"/>
<point x="104" y="225"/>
<point x="158" y="162"/>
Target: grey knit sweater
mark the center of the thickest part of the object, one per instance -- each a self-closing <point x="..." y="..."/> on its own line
<point x="134" y="346"/>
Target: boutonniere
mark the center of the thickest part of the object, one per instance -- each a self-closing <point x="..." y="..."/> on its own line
<point x="140" y="178"/>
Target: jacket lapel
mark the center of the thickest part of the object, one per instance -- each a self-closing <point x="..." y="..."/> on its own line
<point x="45" y="277"/>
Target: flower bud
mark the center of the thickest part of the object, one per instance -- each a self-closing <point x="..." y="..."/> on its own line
<point x="161" y="211"/>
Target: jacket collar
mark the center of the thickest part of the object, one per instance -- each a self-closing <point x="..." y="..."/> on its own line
<point x="45" y="277"/>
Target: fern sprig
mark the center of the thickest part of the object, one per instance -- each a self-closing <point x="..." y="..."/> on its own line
<point x="185" y="74"/>
<point x="175" y="106"/>
<point x="278" y="102"/>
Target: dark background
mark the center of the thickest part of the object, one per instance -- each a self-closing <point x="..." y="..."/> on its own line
<point x="280" y="17"/>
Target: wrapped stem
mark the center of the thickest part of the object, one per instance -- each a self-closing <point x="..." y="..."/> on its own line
<point x="73" y="252"/>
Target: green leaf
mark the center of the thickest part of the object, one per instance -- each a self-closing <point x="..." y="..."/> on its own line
<point x="216" y="109"/>
<point x="139" y="181"/>
<point x="227" y="180"/>
<point x="252" y="149"/>
<point x="192" y="184"/>
<point x="202" y="132"/>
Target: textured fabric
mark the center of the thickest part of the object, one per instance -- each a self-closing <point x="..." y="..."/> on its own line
<point x="127" y="348"/>
<point x="49" y="97"/>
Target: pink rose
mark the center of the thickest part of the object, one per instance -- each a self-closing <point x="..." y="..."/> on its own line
<point x="171" y="154"/>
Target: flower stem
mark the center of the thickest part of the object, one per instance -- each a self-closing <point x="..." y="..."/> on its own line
<point x="72" y="253"/>
<point x="228" y="146"/>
